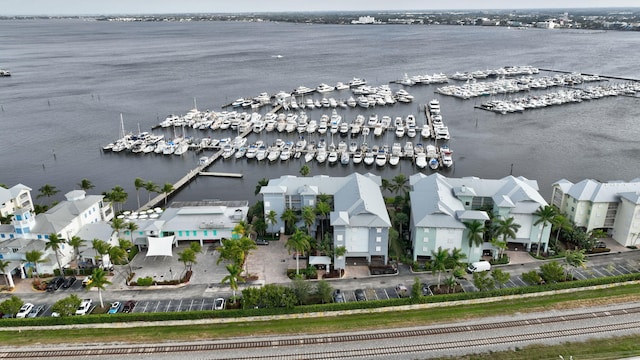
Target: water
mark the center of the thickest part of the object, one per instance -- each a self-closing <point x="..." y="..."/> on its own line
<point x="72" y="79"/>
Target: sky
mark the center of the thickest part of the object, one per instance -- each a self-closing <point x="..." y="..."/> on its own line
<point x="111" y="7"/>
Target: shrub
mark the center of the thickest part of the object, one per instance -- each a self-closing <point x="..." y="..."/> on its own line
<point x="144" y="281"/>
<point x="532" y="278"/>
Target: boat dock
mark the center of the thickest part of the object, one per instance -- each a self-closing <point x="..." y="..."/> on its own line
<point x="220" y="174"/>
<point x="602" y="76"/>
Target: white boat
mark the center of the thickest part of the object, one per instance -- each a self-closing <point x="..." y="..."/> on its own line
<point x="381" y="158"/>
<point x="434" y="164"/>
<point x="274" y="153"/>
<point x="251" y="152"/>
<point x="373" y="120"/>
<point x="341" y="86"/>
<point x="408" y="149"/>
<point x="351" y="102"/>
<point x="227" y="151"/>
<point x="310" y="152"/>
<point x="353" y="146"/>
<point x="369" y="158"/>
<point x="261" y="154"/>
<point x="357" y="82"/>
<point x="344" y="128"/>
<point x="321" y="155"/>
<point x="425" y="132"/>
<point x="357" y="157"/>
<point x="442" y="133"/>
<point x="411" y="131"/>
<point x="323" y="88"/>
<point x="241" y="152"/>
<point x="377" y="130"/>
<point x="363" y="101"/>
<point x="160" y="147"/>
<point x="399" y="131"/>
<point x="446" y="156"/>
<point x="394" y="159"/>
<point x="286" y="152"/>
<point x="332" y="158"/>
<point x="181" y="148"/>
<point x="322" y="128"/>
<point x="344" y="158"/>
<point x="421" y="160"/>
<point x="312" y="126"/>
<point x="303" y="90"/>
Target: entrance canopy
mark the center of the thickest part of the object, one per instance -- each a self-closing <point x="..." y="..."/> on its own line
<point x="319" y="260"/>
<point x="161" y="246"/>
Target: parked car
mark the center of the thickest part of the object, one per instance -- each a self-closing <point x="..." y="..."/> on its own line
<point x="218" y="304"/>
<point x="402" y="290"/>
<point x="37" y="310"/>
<point x="426" y="291"/>
<point x="115" y="307"/>
<point x="479" y="266"/>
<point x="262" y="242"/>
<point x="601" y="245"/>
<point x="55" y="283"/>
<point x="338" y="296"/>
<point x="87" y="281"/>
<point x="85" y="307"/>
<point x="68" y="282"/>
<point x="360" y="296"/>
<point x="128" y="306"/>
<point x="24" y="310"/>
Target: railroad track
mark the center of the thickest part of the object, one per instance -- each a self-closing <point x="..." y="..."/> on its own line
<point x="345" y="338"/>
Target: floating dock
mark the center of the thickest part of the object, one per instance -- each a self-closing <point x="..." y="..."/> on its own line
<point x="220" y="174"/>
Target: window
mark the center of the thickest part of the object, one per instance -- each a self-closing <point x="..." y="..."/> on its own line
<point x="215" y="232"/>
<point x="378" y="239"/>
<point x="195" y="232"/>
<point x="15" y="250"/>
<point x="426" y="230"/>
<point x="425" y="240"/>
<point x="179" y="232"/>
<point x="312" y="202"/>
<point x="379" y="230"/>
<point x="18" y="217"/>
<point x="378" y="248"/>
<point x="339" y="237"/>
<point x="127" y="232"/>
<point x="2" y="236"/>
<point x="425" y="248"/>
<point x="19" y="231"/>
<point x="205" y="232"/>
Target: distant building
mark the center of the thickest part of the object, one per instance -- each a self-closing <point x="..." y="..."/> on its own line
<point x="549" y="24"/>
<point x="365" y="20"/>
<point x="611" y="206"/>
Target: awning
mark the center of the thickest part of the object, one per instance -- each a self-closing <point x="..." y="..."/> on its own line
<point x="160" y="246"/>
<point x="319" y="260"/>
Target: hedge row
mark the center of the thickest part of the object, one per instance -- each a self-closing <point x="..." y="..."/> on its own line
<point x="238" y="313"/>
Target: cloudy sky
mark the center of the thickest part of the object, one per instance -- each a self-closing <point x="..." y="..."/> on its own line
<point x="106" y="7"/>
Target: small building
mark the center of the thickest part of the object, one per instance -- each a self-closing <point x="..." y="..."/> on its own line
<point x="16" y="197"/>
<point x="610" y="206"/>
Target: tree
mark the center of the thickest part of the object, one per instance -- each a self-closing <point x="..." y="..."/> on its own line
<point x="34" y="257"/>
<point x="99" y="281"/>
<point x="151" y="187"/>
<point x="166" y="189"/>
<point x="118" y="224"/>
<point x="304" y="170"/>
<point x="54" y="243"/>
<point x="324" y="291"/>
<point x="130" y="227"/>
<point x="400" y="184"/>
<point x="117" y="255"/>
<point x="386" y="185"/>
<point x="575" y="259"/>
<point x="85" y="184"/>
<point x="272" y="219"/>
<point x="507" y="229"/>
<point x="416" y="289"/>
<point x="4" y="264"/>
<point x="545" y="215"/>
<point x="309" y="217"/>
<point x="561" y="223"/>
<point x="323" y="209"/>
<point x="47" y="190"/>
<point x="126" y="245"/>
<point x="395" y="245"/>
<point x="188" y="258"/>
<point x="67" y="306"/>
<point x="102" y="248"/>
<point x="399" y="220"/>
<point x="233" y="278"/>
<point x="500" y="245"/>
<point x="290" y="218"/>
<point x="552" y="272"/>
<point x="139" y="184"/>
<point x="532" y="278"/>
<point x="475" y="230"/>
<point x="299" y="243"/>
<point x="450" y="282"/>
<point x="11" y="305"/>
<point x="246" y="245"/>
<point x="76" y="243"/>
<point x="262" y="182"/>
<point x="260" y="226"/>
<point x="482" y="281"/>
<point x="230" y="251"/>
<point x="456" y="258"/>
<point x="438" y="262"/>
<point x="118" y="196"/>
<point x="302" y="289"/>
<point x="500" y="277"/>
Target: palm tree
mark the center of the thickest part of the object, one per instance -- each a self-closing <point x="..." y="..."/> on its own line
<point x="131" y="227"/>
<point x="166" y="189"/>
<point x="309" y="217"/>
<point x="272" y="218"/>
<point x="34" y="257"/>
<point x="508" y="229"/>
<point x="456" y="257"/>
<point x="76" y="243"/>
<point x="386" y="185"/>
<point x="245" y="245"/>
<point x="400" y="219"/>
<point x="118" y="196"/>
<point x="4" y="264"/>
<point x="304" y="170"/>
<point x="545" y="215"/>
<point x="323" y="209"/>
<point x="475" y="230"/>
<point x="298" y="242"/>
<point x="125" y="245"/>
<point x="102" y="248"/>
<point x="99" y="281"/>
<point x="262" y="182"/>
<point x="400" y="184"/>
<point x="231" y="251"/>
<point x="139" y="184"/>
<point x="54" y="244"/>
<point x="47" y="190"/>
<point x="85" y="184"/>
<point x="289" y="217"/>
<point x="575" y="259"/>
<point x="151" y="187"/>
<point x="560" y="223"/>
<point x="188" y="258"/>
<point x="233" y="278"/>
<point x="117" y="225"/>
<point x="438" y="261"/>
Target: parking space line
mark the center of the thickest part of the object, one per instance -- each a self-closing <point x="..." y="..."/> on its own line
<point x="144" y="309"/>
<point x="202" y="305"/>
<point x="157" y="305"/>
<point x="618" y="271"/>
<point x="168" y="305"/>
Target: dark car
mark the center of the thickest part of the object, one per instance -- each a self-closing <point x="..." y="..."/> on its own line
<point x="338" y="296"/>
<point x="55" y="283"/>
<point x="360" y="296"/>
<point x="601" y="245"/>
<point x="262" y="242"/>
<point x="68" y="282"/>
<point x="128" y="306"/>
<point x="426" y="291"/>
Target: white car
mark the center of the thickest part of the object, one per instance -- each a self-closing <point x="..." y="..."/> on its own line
<point x="85" y="307"/>
<point x="24" y="310"/>
<point x="219" y="304"/>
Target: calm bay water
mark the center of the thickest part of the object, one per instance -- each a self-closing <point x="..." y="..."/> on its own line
<point x="72" y="79"/>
